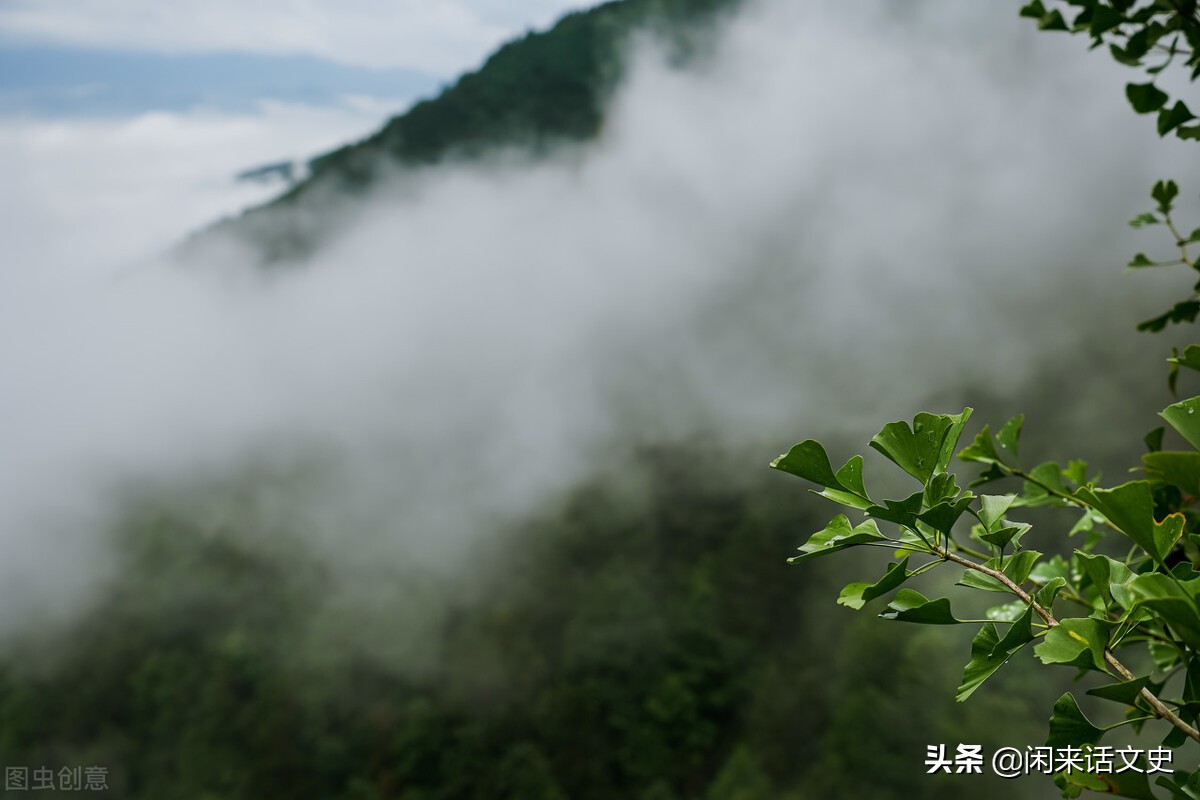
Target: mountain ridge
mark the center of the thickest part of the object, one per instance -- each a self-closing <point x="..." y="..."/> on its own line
<point x="537" y="92"/>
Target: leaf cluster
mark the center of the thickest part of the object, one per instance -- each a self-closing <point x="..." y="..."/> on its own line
<point x="1082" y="611"/>
<point x="1127" y="580"/>
<point x="1149" y="36"/>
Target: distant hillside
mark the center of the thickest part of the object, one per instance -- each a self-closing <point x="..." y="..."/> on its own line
<point x="648" y="646"/>
<point x="535" y="92"/>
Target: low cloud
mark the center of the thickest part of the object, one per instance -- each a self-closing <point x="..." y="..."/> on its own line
<point x="843" y="215"/>
<point x="92" y="195"/>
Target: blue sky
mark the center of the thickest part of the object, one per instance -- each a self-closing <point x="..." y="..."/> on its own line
<point x="117" y="57"/>
<point x="436" y="36"/>
<point x="125" y="121"/>
<point x="61" y="80"/>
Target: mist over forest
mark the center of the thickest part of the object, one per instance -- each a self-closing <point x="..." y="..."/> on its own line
<point x="444" y="473"/>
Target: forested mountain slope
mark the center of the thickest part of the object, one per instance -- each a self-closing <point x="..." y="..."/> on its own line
<point x="648" y="647"/>
<point x="544" y="89"/>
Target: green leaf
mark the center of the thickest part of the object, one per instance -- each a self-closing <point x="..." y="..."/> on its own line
<point x="1053" y="22"/>
<point x="856" y="595"/>
<point x="1074" y="782"/>
<point x="1126" y="692"/>
<point x="1104" y="572"/>
<point x="912" y="606"/>
<point x="992" y="473"/>
<point x="1154" y="439"/>
<point x="1142" y="220"/>
<point x="1186" y="311"/>
<point x="1145" y="98"/>
<point x="1084" y="18"/>
<point x="809" y="460"/>
<point x="1182" y="417"/>
<point x="1121" y="784"/>
<point x="941" y="487"/>
<point x="984" y="661"/>
<point x="1130" y="509"/>
<point x="1174" y="739"/>
<point x="1003" y="536"/>
<point x="1127" y="784"/>
<point x="838" y="535"/>
<point x="1044" y="485"/>
<point x="1141" y="261"/>
<point x="1176" y="469"/>
<point x="1019" y="634"/>
<point x="1018" y="566"/>
<point x="1165" y="656"/>
<point x="1182" y="785"/>
<point x="1000" y="449"/>
<point x="902" y="512"/>
<point x="943" y="516"/>
<point x="1191" y="683"/>
<point x="982" y="449"/>
<point x="850" y="476"/>
<point x="1077" y="642"/>
<point x="979" y="580"/>
<point x="1009" y="612"/>
<point x="1009" y="435"/>
<point x="1045" y="596"/>
<point x="1104" y="19"/>
<point x="1069" y="727"/>
<point x="1035" y="10"/>
<point x="993" y="508"/>
<point x="1047" y="571"/>
<point x="1168" y="601"/>
<point x="925" y="448"/>
<point x="1190" y="357"/>
<point x="1086" y="523"/>
<point x="1076" y="472"/>
<point x="1125" y="56"/>
<point x="1165" y="192"/>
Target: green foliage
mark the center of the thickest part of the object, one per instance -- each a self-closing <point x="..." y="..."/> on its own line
<point x="1086" y="608"/>
<point x="1151" y="596"/>
<point x="1149" y="35"/>
<point x="1069" y="727"/>
<point x="623" y="642"/>
<point x="537" y="92"/>
<point x="539" y="88"/>
<point x="741" y="779"/>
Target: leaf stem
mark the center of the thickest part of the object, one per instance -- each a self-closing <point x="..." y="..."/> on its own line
<point x="1025" y="596"/>
<point x="1047" y="488"/>
<point x="1157" y="705"/>
<point x="961" y="548"/>
<point x="1180" y="242"/>
<point x="895" y="544"/>
<point x="1126" y="722"/>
